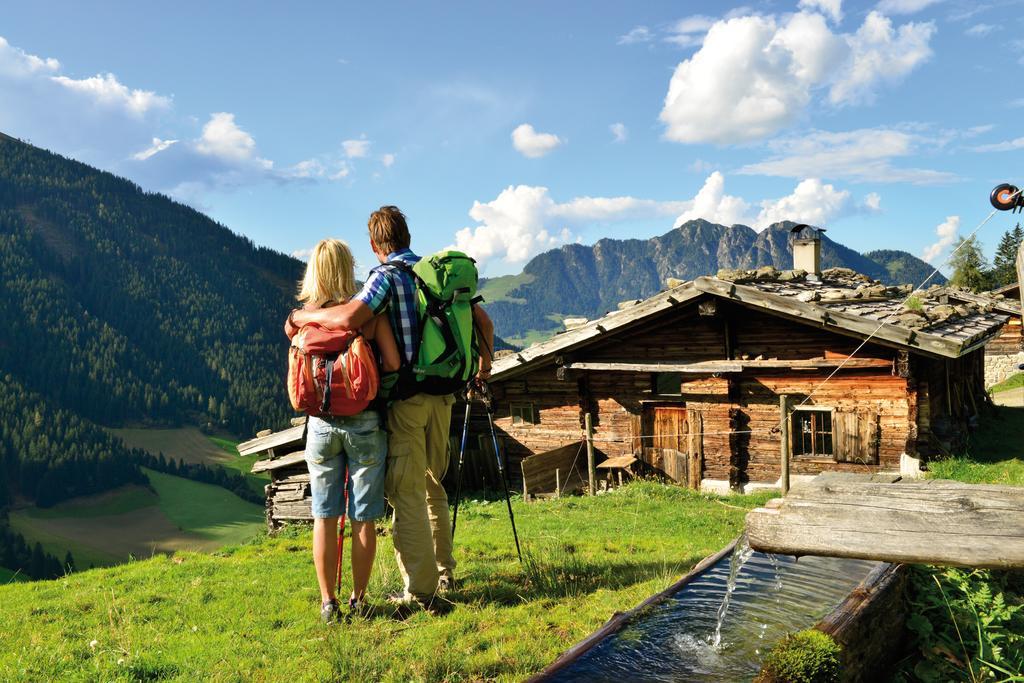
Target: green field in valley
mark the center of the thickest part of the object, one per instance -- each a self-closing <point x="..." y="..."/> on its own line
<point x="250" y="612"/>
<point x="135" y="522"/>
<point x="193" y="446"/>
<point x="206" y="510"/>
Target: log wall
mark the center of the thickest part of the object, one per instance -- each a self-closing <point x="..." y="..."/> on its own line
<point x="1004" y="354"/>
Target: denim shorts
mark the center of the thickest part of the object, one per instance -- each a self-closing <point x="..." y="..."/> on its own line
<point x="355" y="442"/>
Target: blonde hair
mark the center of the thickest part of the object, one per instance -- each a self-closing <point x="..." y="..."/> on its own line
<point x="330" y="274"/>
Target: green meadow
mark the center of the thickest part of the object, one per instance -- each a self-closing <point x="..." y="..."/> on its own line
<point x="250" y="612"/>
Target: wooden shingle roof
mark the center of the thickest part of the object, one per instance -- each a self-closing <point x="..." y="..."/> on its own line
<point x="840" y="300"/>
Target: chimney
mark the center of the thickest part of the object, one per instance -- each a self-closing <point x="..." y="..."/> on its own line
<point x="807" y="248"/>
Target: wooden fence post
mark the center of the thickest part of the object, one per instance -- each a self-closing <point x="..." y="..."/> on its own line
<point x="591" y="471"/>
<point x="784" y="440"/>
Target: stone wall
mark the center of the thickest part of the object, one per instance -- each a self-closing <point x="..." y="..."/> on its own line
<point x="1000" y="367"/>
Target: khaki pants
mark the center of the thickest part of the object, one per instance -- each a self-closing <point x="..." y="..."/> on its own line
<point x="417" y="460"/>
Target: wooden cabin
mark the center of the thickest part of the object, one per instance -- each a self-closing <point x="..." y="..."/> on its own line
<point x="1005" y="353"/>
<point x="689" y="381"/>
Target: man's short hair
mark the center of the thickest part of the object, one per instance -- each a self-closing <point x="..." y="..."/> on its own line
<point x="388" y="229"/>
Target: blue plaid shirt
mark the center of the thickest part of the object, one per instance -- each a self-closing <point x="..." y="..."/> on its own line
<point x="389" y="285"/>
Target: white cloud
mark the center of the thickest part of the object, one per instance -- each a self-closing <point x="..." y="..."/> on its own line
<point x="872" y="202"/>
<point x="1005" y="146"/>
<point x="881" y="54"/>
<point x="356" y="149"/>
<point x="904" y="6"/>
<point x="341" y="173"/>
<point x="619" y="132"/>
<point x="107" y="91"/>
<point x="155" y="148"/>
<point x="532" y="144"/>
<point x="689" y="31"/>
<point x="946" y="232"/>
<point x="861" y="155"/>
<point x="388" y="160"/>
<point x="812" y="202"/>
<point x="830" y="8"/>
<point x="712" y="204"/>
<point x="980" y="30"/>
<point x="783" y="63"/>
<point x="639" y="34"/>
<point x="224" y="140"/>
<point x="525" y="220"/>
<point x="302" y="254"/>
<point x="16" y="63"/>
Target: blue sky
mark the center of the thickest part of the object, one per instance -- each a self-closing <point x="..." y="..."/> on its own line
<point x="507" y="130"/>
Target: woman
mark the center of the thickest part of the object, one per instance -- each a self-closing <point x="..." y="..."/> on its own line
<point x="355" y="442"/>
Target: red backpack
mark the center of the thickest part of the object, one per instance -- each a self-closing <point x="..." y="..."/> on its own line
<point x="330" y="372"/>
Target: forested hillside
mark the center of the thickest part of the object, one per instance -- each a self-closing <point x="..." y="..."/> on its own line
<point x="586" y="280"/>
<point x="903" y="267"/>
<point x="123" y="306"/>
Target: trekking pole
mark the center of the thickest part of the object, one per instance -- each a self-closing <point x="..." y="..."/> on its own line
<point x="341" y="529"/>
<point x="488" y="400"/>
<point x="462" y="455"/>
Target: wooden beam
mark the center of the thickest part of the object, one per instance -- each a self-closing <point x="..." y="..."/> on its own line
<point x="719" y="367"/>
<point x="922" y="521"/>
<point x="711" y="367"/>
<point x="277" y="463"/>
<point x="292" y="435"/>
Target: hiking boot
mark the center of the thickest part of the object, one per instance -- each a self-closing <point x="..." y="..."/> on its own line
<point x="447" y="584"/>
<point x="329" y="611"/>
<point x="357" y="608"/>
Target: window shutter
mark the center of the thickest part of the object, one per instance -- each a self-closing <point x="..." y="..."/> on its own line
<point x="856" y="437"/>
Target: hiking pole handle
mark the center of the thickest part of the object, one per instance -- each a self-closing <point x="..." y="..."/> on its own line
<point x="458" y="473"/>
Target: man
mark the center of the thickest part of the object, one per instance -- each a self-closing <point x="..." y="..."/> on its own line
<point x="417" y="426"/>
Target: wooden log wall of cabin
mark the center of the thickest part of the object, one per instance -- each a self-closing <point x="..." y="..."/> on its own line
<point x="1009" y="340"/>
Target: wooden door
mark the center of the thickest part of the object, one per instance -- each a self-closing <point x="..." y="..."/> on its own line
<point x="670" y="442"/>
<point x="670" y="428"/>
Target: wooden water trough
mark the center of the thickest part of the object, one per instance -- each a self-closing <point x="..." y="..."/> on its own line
<point x="881" y="517"/>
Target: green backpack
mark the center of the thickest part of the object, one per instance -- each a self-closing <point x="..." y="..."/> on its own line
<point x="448" y="352"/>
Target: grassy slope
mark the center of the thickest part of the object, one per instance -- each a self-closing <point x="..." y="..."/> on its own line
<point x="1013" y="382"/>
<point x="250" y="612"/>
<point x="996" y="452"/>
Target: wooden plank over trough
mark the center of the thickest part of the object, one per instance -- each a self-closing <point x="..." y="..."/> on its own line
<point x="931" y="521"/>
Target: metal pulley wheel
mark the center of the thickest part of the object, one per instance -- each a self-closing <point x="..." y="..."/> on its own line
<point x="1006" y="197"/>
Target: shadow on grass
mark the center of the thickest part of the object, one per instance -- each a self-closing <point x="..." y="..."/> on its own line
<point x="560" y="572"/>
<point x="998" y="436"/>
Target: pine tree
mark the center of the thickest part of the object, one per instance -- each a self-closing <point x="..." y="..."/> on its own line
<point x="1004" y="270"/>
<point x="969" y="266"/>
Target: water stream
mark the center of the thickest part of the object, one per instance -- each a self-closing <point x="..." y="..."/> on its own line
<point x="719" y="626"/>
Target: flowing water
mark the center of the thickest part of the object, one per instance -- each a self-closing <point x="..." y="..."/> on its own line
<point x="719" y="626"/>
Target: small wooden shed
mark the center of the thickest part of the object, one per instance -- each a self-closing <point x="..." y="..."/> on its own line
<point x="288" y="496"/>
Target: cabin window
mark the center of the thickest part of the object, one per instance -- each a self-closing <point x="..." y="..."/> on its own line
<point x="812" y="433"/>
<point x="523" y="413"/>
<point x="668" y="383"/>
